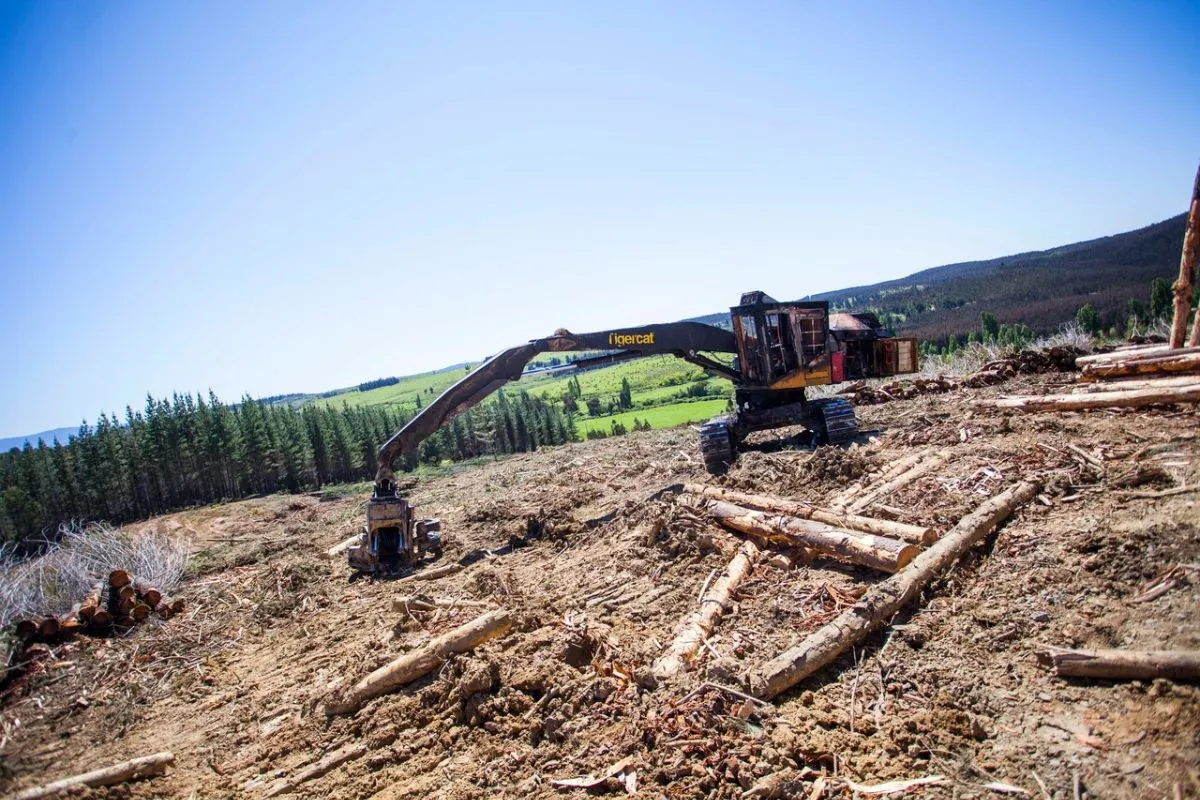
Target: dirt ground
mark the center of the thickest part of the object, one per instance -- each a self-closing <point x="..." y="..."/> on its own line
<point x="234" y="687"/>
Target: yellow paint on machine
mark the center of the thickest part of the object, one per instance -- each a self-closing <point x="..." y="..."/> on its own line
<point x="629" y="339"/>
<point x="801" y="378"/>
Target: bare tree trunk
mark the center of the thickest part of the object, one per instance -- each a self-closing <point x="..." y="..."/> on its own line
<point x="847" y="496"/>
<point x="332" y="761"/>
<point x="876" y="552"/>
<point x="697" y="625"/>
<point x="1136" y="398"/>
<point x="1182" y="665"/>
<point x="881" y="527"/>
<point x="421" y="661"/>
<point x="1137" y="383"/>
<point x="342" y="547"/>
<point x="883" y="600"/>
<point x="143" y="767"/>
<point x="1187" y="272"/>
<point x="1122" y="353"/>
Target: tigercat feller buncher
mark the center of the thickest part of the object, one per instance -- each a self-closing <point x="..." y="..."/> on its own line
<point x="779" y="350"/>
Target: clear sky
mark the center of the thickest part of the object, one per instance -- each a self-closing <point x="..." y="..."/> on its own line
<point x="269" y="197"/>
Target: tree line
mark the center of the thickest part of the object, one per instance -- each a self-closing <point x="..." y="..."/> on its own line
<point x="191" y="450"/>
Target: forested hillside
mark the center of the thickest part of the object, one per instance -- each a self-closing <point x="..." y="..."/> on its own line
<point x="190" y="450"/>
<point x="1040" y="290"/>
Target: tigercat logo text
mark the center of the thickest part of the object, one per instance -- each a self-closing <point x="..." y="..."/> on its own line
<point x="626" y="339"/>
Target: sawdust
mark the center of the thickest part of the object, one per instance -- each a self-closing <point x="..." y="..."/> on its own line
<point x="599" y="569"/>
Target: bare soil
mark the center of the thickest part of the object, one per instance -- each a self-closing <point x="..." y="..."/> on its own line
<point x="234" y="687"/>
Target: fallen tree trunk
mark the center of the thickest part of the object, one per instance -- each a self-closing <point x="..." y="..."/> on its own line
<point x="421" y="661"/>
<point x="697" y="625"/>
<point x="144" y="767"/>
<point x="1180" y="665"/>
<point x="420" y="603"/>
<point x="881" y="527"/>
<point x="926" y="465"/>
<point x="877" y="552"/>
<point x="1135" y="398"/>
<point x="1175" y="361"/>
<point x="48" y="627"/>
<point x="329" y="762"/>
<point x="884" y="599"/>
<point x="1187" y="270"/>
<point x="342" y="547"/>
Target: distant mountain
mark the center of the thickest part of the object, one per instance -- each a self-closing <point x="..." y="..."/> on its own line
<point x="1040" y="289"/>
<point x="46" y="436"/>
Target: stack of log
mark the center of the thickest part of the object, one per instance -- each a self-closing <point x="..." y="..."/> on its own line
<point x="1147" y="374"/>
<point x="118" y="602"/>
<point x="1026" y="362"/>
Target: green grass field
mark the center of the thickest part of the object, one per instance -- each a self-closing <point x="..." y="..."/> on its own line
<point x="658" y="417"/>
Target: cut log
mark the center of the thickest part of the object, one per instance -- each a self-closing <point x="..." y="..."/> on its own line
<point x="149" y="594"/>
<point x="342" y="547"/>
<point x="882" y="601"/>
<point x="100" y="618"/>
<point x="1179" y="665"/>
<point x="421" y="661"/>
<point x="925" y="466"/>
<point x="422" y="603"/>
<point x="139" y="612"/>
<point x="881" y="527"/>
<point x="433" y="574"/>
<point x="877" y="552"/>
<point x="697" y="625"/>
<point x="144" y="767"/>
<point x="48" y="627"/>
<point x="332" y="761"/>
<point x="1135" y="398"/>
<point x="1121" y="354"/>
<point x="1186" y="361"/>
<point x="92" y="601"/>
<point x="169" y="607"/>
<point x="1137" y="383"/>
<point x="848" y="495"/>
<point x="118" y="578"/>
<point x="1187" y="270"/>
<point x="25" y="629"/>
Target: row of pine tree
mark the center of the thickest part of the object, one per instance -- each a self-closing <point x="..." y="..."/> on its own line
<point x="190" y="451"/>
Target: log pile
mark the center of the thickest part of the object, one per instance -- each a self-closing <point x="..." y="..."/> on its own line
<point x="1026" y="362"/>
<point x="117" y="602"/>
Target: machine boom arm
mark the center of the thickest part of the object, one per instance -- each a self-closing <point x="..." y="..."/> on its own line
<point x="683" y="339"/>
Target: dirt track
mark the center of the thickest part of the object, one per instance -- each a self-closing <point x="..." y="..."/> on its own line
<point x="234" y="687"/>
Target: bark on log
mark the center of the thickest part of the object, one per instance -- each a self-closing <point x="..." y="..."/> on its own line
<point x="92" y="601"/>
<point x="697" y="625"/>
<point x="881" y="527"/>
<point x="877" y="552"/>
<point x="342" y="547"/>
<point x="48" y="627"/>
<point x="926" y="465"/>
<point x="1186" y="361"/>
<point x="1134" y="398"/>
<point x="421" y="661"/>
<point x="1180" y="665"/>
<point x="1121" y="354"/>
<point x="149" y="594"/>
<point x="332" y="761"/>
<point x="144" y="767"/>
<point x="1187" y="270"/>
<point x="433" y="574"/>
<point x="100" y="618"/>
<point x="883" y="600"/>
<point x="169" y="607"/>
<point x="1137" y="383"/>
<point x="847" y="496"/>
<point x="118" y="578"/>
<point x="420" y="603"/>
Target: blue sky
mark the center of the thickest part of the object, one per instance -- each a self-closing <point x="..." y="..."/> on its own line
<point x="292" y="196"/>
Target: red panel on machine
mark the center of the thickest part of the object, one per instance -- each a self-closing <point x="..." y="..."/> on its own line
<point x="837" y="367"/>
